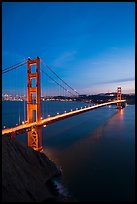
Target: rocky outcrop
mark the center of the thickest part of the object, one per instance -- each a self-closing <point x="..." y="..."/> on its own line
<point x="25" y="173"/>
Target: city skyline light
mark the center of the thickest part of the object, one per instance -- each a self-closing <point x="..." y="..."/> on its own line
<point x="89" y="45"/>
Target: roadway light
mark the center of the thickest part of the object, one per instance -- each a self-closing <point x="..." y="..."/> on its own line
<point x="48" y="115"/>
<point x="57" y="113"/>
<point x="64" y="111"/>
<point x="71" y="110"/>
<point x="22" y="122"/>
<point x="44" y="125"/>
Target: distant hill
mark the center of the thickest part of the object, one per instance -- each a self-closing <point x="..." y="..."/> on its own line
<point x="104" y="97"/>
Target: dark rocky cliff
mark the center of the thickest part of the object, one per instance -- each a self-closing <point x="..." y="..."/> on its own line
<point x="25" y="173"/>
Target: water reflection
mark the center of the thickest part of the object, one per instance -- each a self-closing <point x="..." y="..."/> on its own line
<point x="116" y="117"/>
<point x="96" y="167"/>
<point x="82" y="148"/>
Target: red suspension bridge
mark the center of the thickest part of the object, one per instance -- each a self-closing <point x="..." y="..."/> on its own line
<point x="33" y="126"/>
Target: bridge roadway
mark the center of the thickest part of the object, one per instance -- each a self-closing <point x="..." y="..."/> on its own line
<point x="56" y="118"/>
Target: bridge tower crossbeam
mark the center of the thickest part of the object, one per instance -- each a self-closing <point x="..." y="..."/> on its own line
<point x="33" y="104"/>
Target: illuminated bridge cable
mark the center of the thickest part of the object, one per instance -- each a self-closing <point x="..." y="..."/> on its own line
<point x="57" y="83"/>
<point x="13" y="67"/>
<point x="59" y="77"/>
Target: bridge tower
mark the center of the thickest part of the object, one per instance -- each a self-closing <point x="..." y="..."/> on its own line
<point x="33" y="103"/>
<point x="119" y="97"/>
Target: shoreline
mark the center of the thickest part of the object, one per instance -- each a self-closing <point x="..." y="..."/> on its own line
<point x="57" y="188"/>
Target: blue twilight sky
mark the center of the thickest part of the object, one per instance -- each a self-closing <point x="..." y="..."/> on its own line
<point x="90" y="45"/>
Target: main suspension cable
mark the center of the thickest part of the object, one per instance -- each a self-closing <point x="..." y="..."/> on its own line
<point x="57" y="82"/>
<point x="14" y="66"/>
<point x="59" y="77"/>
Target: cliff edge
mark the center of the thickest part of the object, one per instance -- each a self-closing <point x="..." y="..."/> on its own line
<point x="25" y="173"/>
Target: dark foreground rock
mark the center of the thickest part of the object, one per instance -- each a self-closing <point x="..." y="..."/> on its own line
<point x="25" y="174"/>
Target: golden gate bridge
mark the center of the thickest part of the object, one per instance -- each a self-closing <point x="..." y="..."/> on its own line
<point x="33" y="125"/>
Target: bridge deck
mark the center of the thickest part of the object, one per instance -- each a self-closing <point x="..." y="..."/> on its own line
<point x="56" y="118"/>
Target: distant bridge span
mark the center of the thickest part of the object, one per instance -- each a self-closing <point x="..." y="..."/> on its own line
<point x="56" y="118"/>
